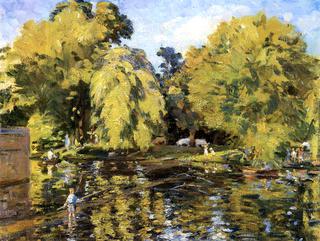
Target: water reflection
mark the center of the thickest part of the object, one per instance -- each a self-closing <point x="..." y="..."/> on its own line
<point x="152" y="200"/>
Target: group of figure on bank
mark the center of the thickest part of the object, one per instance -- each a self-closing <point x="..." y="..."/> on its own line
<point x="299" y="154"/>
<point x="207" y="150"/>
<point x="67" y="143"/>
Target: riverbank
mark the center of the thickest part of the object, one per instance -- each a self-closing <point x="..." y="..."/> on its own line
<point x="222" y="154"/>
<point x="91" y="152"/>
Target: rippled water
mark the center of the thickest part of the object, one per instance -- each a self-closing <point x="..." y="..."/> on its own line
<point x="166" y="200"/>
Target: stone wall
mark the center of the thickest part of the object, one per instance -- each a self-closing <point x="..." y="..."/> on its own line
<point x="14" y="200"/>
<point x="14" y="155"/>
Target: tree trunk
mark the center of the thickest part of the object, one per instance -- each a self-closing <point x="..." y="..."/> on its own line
<point x="192" y="134"/>
<point x="315" y="141"/>
<point x="82" y="115"/>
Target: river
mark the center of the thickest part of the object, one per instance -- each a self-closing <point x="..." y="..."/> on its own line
<point x="162" y="200"/>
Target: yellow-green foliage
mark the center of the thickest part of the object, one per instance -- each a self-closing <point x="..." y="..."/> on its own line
<point x="53" y="61"/>
<point x="126" y="99"/>
<point x="69" y="32"/>
<point x="252" y="79"/>
<point x="41" y="127"/>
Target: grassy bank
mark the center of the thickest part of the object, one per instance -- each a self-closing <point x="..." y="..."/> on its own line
<point x="194" y="154"/>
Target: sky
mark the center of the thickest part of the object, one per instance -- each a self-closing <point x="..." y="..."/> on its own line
<point x="175" y="23"/>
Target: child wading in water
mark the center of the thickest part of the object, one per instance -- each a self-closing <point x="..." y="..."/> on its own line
<point x="71" y="203"/>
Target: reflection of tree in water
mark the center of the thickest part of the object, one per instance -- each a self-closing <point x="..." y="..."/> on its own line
<point x="309" y="197"/>
<point x="113" y="220"/>
<point x="50" y="184"/>
<point x="203" y="206"/>
<point x="128" y="216"/>
<point x="283" y="212"/>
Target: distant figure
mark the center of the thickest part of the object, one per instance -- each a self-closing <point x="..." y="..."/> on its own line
<point x="288" y="155"/>
<point x="293" y="155"/>
<point x="268" y="184"/>
<point x="246" y="152"/>
<point x="205" y="152"/>
<point x="306" y="146"/>
<point x="71" y="204"/>
<point x="300" y="154"/>
<point x="268" y="225"/>
<point x="289" y="176"/>
<point x="96" y="139"/>
<point x="267" y="167"/>
<point x="253" y="153"/>
<point x="54" y="168"/>
<point x="212" y="152"/>
<point x="66" y="142"/>
<point x="51" y="155"/>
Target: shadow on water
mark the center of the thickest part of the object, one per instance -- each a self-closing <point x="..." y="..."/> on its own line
<point x="165" y="200"/>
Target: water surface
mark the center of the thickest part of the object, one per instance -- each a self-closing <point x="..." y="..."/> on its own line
<point x="165" y="200"/>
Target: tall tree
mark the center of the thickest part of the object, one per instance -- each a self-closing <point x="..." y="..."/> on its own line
<point x="172" y="62"/>
<point x="53" y="62"/>
<point x="107" y="14"/>
<point x="126" y="97"/>
<point x="252" y="78"/>
<point x="46" y="61"/>
<point x="179" y="117"/>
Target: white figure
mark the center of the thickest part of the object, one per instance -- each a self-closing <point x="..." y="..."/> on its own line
<point x="51" y="155"/>
<point x="96" y="139"/>
<point x="212" y="152"/>
<point x="66" y="142"/>
<point x="293" y="155"/>
<point x="205" y="152"/>
<point x="183" y="142"/>
<point x="306" y="146"/>
<point x="201" y="142"/>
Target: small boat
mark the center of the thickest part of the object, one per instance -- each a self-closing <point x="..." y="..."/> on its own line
<point x="316" y="163"/>
<point x="314" y="172"/>
<point x="45" y="161"/>
<point x="296" y="165"/>
<point x="263" y="173"/>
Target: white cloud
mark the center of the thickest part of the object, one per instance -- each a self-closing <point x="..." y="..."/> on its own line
<point x="160" y="38"/>
<point x="2" y="41"/>
<point x="194" y="30"/>
<point x="182" y="32"/>
<point x="287" y="16"/>
<point x="310" y="22"/>
<point x="2" y="13"/>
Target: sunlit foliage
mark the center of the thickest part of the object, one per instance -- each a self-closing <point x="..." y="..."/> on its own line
<point x="126" y="98"/>
<point x="252" y="78"/>
<point x="53" y="63"/>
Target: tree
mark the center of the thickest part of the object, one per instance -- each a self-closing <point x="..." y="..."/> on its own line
<point x="52" y="64"/>
<point x="172" y="62"/>
<point x="252" y="78"/>
<point x="107" y="14"/>
<point x="179" y="116"/>
<point x="10" y="114"/>
<point x="46" y="60"/>
<point x="128" y="106"/>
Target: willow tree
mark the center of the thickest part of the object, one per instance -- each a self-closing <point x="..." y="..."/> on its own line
<point x="252" y="79"/>
<point x="51" y="62"/>
<point x="126" y="99"/>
